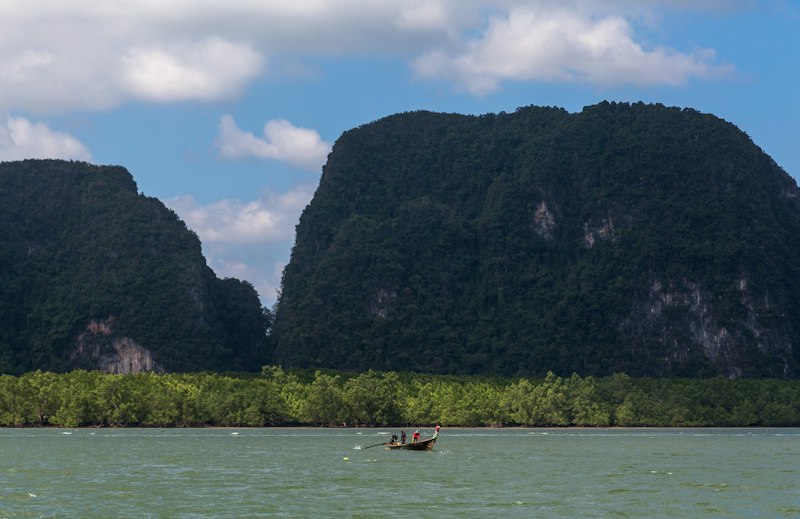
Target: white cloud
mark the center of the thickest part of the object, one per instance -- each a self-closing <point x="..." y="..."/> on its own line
<point x="282" y="141"/>
<point x="23" y="139"/>
<point x="247" y="239"/>
<point x="270" y="219"/>
<point x="95" y="54"/>
<point x="60" y="56"/>
<point x="559" y="45"/>
<point x="206" y="70"/>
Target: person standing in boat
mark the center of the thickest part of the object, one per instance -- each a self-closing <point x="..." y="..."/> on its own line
<point x="403" y="437"/>
<point x="436" y="432"/>
<point x="415" y="436"/>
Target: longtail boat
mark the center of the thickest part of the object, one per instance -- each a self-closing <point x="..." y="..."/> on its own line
<point x="422" y="445"/>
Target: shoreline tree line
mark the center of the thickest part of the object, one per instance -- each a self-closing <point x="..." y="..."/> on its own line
<point x="277" y="397"/>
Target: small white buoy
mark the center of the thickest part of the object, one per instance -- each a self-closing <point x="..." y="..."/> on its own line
<point x="31" y="494"/>
<point x="346" y="458"/>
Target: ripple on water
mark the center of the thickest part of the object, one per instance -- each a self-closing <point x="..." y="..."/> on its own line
<point x="302" y="473"/>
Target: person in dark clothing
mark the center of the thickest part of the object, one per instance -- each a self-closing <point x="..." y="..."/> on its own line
<point x="403" y="437"/>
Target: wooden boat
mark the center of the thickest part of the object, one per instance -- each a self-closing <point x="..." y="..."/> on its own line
<point x="422" y="445"/>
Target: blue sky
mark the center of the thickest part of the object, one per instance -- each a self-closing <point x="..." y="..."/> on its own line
<point x="226" y="111"/>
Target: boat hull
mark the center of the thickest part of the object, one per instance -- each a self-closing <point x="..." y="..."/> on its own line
<point x="422" y="445"/>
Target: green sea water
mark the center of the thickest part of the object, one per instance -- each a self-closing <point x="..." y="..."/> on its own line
<point x="204" y="473"/>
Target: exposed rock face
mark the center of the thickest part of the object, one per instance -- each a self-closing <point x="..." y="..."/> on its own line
<point x="543" y="221"/>
<point x="604" y="231"/>
<point x="655" y="314"/>
<point x="99" y="349"/>
<point x="689" y="307"/>
<point x="382" y="302"/>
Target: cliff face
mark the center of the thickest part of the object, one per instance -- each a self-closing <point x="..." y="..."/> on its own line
<point x="98" y="347"/>
<point x="95" y="275"/>
<point x="643" y="239"/>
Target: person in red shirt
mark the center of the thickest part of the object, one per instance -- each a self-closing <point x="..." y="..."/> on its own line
<point x="415" y="436"/>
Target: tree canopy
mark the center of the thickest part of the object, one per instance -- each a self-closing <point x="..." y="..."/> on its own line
<point x="279" y="397"/>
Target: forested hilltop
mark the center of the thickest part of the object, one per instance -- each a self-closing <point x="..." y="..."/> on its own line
<point x="641" y="239"/>
<point x="95" y="275"/>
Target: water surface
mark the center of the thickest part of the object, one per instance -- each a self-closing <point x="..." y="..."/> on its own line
<point x="194" y="473"/>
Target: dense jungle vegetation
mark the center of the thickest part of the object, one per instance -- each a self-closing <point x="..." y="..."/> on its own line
<point x="638" y="238"/>
<point x="279" y="397"/>
<point x="79" y="245"/>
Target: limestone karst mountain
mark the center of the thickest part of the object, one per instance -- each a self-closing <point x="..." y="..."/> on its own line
<point x="624" y="238"/>
<point x="95" y="275"/>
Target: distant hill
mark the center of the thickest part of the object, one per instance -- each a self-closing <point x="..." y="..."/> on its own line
<point x="95" y="275"/>
<point x="624" y="238"/>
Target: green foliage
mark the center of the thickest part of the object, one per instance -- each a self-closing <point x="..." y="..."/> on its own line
<point x="80" y="245"/>
<point x="372" y="398"/>
<point x="325" y="401"/>
<point x="625" y="238"/>
<point x="277" y="397"/>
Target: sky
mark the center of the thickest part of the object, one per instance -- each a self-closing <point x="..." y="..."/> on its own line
<point x="226" y="110"/>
